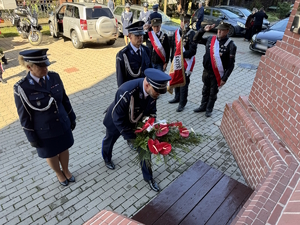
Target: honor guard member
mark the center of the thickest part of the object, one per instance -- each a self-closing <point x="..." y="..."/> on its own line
<point x="158" y="43"/>
<point x="189" y="52"/>
<point x="126" y="18"/>
<point x="155" y="13"/>
<point x="133" y="100"/>
<point x="218" y="64"/>
<point x="45" y="112"/>
<point x="132" y="60"/>
<point x="145" y="15"/>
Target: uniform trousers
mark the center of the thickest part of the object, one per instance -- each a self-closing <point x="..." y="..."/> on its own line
<point x="181" y="93"/>
<point x="107" y="146"/>
<point x="209" y="91"/>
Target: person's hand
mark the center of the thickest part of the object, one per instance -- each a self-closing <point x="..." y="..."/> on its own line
<point x="34" y="144"/>
<point x="196" y="20"/>
<point x="209" y="27"/>
<point x="165" y="66"/>
<point x="73" y="125"/>
<point x="222" y="83"/>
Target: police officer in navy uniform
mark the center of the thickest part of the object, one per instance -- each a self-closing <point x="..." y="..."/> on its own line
<point x="187" y="34"/>
<point x="227" y="51"/>
<point x="132" y="60"/>
<point x="145" y="15"/>
<point x="133" y="100"/>
<point x="45" y="112"/>
<point x="156" y="60"/>
<point x="155" y="13"/>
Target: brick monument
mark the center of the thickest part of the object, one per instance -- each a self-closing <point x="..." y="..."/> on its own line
<point x="263" y="132"/>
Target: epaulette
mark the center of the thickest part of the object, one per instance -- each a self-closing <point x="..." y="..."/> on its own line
<point x="18" y="83"/>
<point x="133" y="90"/>
<point x="124" y="49"/>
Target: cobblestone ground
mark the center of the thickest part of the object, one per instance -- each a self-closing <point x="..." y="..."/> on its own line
<point x="29" y="190"/>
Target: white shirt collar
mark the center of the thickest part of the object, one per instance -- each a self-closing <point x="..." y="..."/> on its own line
<point x="135" y="48"/>
<point x="35" y="78"/>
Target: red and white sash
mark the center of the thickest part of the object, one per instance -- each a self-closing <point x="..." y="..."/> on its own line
<point x="159" y="49"/>
<point x="216" y="59"/>
<point x="188" y="63"/>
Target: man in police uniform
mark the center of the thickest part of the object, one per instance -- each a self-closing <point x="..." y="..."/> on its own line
<point x="158" y="43"/>
<point x="133" y="100"/>
<point x="145" y="15"/>
<point x="155" y="13"/>
<point x="215" y="75"/>
<point x="190" y="49"/>
<point x="132" y="60"/>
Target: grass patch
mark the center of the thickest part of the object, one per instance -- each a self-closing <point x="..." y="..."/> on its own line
<point x="12" y="31"/>
<point x="272" y="16"/>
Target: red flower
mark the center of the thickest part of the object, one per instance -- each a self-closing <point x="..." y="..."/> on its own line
<point x="156" y="147"/>
<point x="153" y="146"/>
<point x="166" y="148"/>
<point x="162" y="130"/>
<point x="148" y="123"/>
<point x="184" y="132"/>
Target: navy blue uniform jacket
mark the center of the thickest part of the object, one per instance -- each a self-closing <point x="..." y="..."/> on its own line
<point x="130" y="65"/>
<point x="52" y="122"/>
<point x="129" y="107"/>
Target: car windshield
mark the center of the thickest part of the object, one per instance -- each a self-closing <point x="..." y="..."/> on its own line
<point x="280" y="26"/>
<point x="95" y="13"/>
<point x="229" y="14"/>
<point x="246" y="12"/>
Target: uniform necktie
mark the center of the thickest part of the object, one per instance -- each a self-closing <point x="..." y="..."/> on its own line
<point x="42" y="82"/>
<point x="138" y="52"/>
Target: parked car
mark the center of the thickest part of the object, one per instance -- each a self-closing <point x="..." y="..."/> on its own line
<point x="267" y="38"/>
<point x="167" y="26"/>
<point x="214" y="15"/>
<point x="84" y="22"/>
<point x="243" y="13"/>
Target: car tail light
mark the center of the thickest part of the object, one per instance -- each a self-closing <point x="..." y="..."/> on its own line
<point x="83" y="24"/>
<point x="98" y="7"/>
<point x="116" y="22"/>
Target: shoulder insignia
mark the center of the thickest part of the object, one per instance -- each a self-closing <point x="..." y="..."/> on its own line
<point x="132" y="91"/>
<point x="122" y="97"/>
<point x="141" y="95"/>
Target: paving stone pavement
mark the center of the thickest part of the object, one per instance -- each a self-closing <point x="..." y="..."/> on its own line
<point x="29" y="191"/>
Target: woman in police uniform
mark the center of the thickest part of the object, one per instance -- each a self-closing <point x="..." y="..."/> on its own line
<point x="45" y="112"/>
<point x="126" y="18"/>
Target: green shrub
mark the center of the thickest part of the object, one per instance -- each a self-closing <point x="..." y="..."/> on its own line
<point x="283" y="9"/>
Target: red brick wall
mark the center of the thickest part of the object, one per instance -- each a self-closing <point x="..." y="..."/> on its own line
<point x="276" y="88"/>
<point x="263" y="132"/>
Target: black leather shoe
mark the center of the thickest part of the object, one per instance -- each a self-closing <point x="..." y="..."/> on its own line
<point x="71" y="179"/>
<point x="173" y="101"/>
<point x="64" y="183"/>
<point x="153" y="185"/>
<point x="110" y="165"/>
<point x="208" y="114"/>
<point x="200" y="109"/>
<point x="179" y="109"/>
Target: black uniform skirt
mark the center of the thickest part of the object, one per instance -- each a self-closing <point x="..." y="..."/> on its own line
<point x="51" y="147"/>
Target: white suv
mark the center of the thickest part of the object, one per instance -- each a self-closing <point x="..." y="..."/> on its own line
<point x="84" y="22"/>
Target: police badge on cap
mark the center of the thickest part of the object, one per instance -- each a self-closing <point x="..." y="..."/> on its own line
<point x="36" y="56"/>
